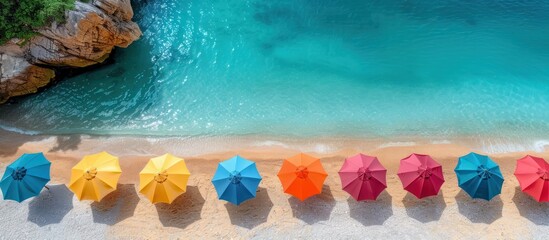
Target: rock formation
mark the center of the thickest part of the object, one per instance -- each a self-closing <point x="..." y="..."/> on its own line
<point x="88" y="35"/>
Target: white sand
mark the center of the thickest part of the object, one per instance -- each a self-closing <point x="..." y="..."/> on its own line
<point x="197" y="214"/>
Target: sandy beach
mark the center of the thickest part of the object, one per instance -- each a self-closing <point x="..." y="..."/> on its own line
<point x="266" y="80"/>
<point x="198" y="214"/>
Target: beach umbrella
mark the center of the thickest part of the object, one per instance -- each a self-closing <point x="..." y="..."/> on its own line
<point x="363" y="177"/>
<point x="420" y="175"/>
<point x="533" y="176"/>
<point x="164" y="178"/>
<point x="95" y="176"/>
<point x="479" y="176"/>
<point x="302" y="176"/>
<point x="236" y="180"/>
<point x="25" y="177"/>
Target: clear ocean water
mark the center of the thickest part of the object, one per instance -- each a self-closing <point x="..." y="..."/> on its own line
<point x="313" y="68"/>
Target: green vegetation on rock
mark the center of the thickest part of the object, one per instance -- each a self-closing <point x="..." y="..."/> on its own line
<point x="20" y="18"/>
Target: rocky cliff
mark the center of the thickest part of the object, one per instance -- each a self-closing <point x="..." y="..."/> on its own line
<point x="88" y="35"/>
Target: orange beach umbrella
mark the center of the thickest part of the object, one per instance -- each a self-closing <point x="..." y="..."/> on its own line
<point x="95" y="176"/>
<point x="302" y="176"/>
<point x="164" y="178"/>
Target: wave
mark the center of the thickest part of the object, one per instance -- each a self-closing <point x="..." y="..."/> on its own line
<point x="397" y="144"/>
<point x="270" y="143"/>
<point x="495" y="146"/>
<point x="19" y="130"/>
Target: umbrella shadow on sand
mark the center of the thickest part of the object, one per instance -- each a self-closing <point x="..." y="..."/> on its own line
<point x="116" y="206"/>
<point x="479" y="210"/>
<point x="314" y="209"/>
<point x="253" y="212"/>
<point x="426" y="209"/>
<point x="536" y="212"/>
<point x="51" y="206"/>
<point x="183" y="211"/>
<point x="371" y="212"/>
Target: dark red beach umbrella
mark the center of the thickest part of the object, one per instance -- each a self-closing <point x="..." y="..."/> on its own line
<point x="533" y="176"/>
<point x="363" y="177"/>
<point x="420" y="175"/>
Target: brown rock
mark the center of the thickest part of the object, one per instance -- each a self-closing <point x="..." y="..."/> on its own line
<point x="87" y="37"/>
<point x="90" y="33"/>
<point x="18" y="77"/>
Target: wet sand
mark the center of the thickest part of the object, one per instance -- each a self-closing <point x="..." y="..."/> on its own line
<point x="197" y="214"/>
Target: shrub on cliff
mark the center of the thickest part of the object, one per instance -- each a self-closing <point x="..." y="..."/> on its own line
<point x="20" y="18"/>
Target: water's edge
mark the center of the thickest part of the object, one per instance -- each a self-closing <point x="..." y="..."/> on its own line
<point x="11" y="139"/>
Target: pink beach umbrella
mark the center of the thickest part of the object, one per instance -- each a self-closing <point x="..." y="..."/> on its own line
<point x="420" y="175"/>
<point x="363" y="177"/>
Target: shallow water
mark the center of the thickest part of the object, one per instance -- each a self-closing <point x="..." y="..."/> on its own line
<point x="313" y="68"/>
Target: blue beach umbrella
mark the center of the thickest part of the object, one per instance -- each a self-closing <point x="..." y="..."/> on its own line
<point x="25" y="177"/>
<point x="479" y="176"/>
<point x="236" y="180"/>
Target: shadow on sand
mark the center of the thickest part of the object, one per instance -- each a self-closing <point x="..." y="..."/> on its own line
<point x="67" y="142"/>
<point x="11" y="141"/>
<point x="116" y="206"/>
<point x="529" y="208"/>
<point x="426" y="209"/>
<point x="479" y="210"/>
<point x="371" y="212"/>
<point x="51" y="206"/>
<point x="253" y="212"/>
<point x="314" y="209"/>
<point x="183" y="211"/>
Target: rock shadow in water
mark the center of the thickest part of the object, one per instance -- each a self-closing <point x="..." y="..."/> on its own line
<point x="117" y="72"/>
<point x="270" y="13"/>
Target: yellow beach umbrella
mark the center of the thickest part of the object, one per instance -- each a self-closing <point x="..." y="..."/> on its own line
<point x="95" y="176"/>
<point x="164" y="178"/>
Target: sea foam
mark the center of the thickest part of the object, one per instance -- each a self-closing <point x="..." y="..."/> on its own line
<point x="19" y="130"/>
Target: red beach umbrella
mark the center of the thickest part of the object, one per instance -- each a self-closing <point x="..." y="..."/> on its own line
<point x="420" y="175"/>
<point x="533" y="176"/>
<point x="363" y="177"/>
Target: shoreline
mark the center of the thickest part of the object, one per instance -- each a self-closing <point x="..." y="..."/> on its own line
<point x="198" y="212"/>
<point x="66" y="150"/>
<point x="274" y="146"/>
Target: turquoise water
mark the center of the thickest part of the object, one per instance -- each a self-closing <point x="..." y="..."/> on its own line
<point x="313" y="68"/>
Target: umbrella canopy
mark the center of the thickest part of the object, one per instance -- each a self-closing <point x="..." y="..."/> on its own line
<point x="302" y="176"/>
<point x="533" y="176"/>
<point x="479" y="176"/>
<point x="420" y="175"/>
<point x="363" y="177"/>
<point x="164" y="178"/>
<point x="25" y="177"/>
<point x="236" y="180"/>
<point x="95" y="176"/>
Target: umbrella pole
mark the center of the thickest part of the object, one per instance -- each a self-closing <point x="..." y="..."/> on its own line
<point x="47" y="187"/>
